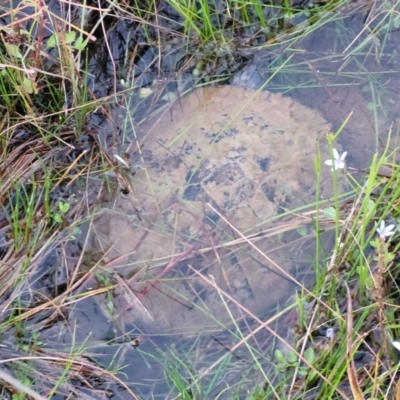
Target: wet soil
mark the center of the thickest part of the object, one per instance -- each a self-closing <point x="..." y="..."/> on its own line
<point x="221" y="159"/>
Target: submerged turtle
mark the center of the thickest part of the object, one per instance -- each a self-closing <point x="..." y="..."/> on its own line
<point x="220" y="159"/>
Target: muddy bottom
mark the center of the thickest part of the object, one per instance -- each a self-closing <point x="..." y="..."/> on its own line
<point x="193" y="247"/>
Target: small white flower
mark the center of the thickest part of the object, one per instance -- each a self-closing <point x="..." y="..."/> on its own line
<point x="338" y="162"/>
<point x="385" y="231"/>
<point x="330" y="333"/>
<point x="396" y="344"/>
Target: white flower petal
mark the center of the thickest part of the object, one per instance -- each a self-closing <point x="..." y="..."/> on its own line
<point x="339" y="164"/>
<point x="385" y="231"/>
<point x="330" y="333"/>
<point x="390" y="227"/>
<point x="388" y="232"/>
<point x="338" y="161"/>
<point x="396" y="344"/>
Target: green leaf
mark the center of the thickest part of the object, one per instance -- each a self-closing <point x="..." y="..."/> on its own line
<point x="64" y="207"/>
<point x="309" y="355"/>
<point x="76" y="231"/>
<point x="375" y="243"/>
<point x="57" y="218"/>
<point x="28" y="85"/>
<point x="291" y="357"/>
<point x="52" y="41"/>
<point x="389" y="257"/>
<point x="169" y="96"/>
<point x="370" y="205"/>
<point x="330" y="213"/>
<point x="362" y="271"/>
<point x="145" y="92"/>
<point x="80" y="44"/>
<point x="302" y="230"/>
<point x="70" y="37"/>
<point x="279" y="355"/>
<point x="302" y="372"/>
<point x="355" y="254"/>
<point x="13" y="50"/>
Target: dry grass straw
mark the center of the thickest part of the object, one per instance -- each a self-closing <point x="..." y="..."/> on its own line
<point x="42" y="165"/>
